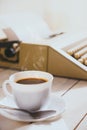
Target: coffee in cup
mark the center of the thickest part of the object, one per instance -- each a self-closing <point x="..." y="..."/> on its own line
<point x="31" y="90"/>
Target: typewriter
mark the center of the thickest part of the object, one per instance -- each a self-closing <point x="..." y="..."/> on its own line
<point x="62" y="55"/>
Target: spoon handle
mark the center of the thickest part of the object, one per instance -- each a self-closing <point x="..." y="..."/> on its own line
<point x="22" y="110"/>
<point x="10" y="108"/>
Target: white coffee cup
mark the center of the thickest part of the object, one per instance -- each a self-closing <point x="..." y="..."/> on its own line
<point x="29" y="97"/>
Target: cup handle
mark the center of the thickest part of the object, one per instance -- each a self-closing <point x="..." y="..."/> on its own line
<point x="4" y="87"/>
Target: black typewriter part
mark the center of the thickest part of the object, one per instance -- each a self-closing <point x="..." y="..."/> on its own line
<point x="11" y="51"/>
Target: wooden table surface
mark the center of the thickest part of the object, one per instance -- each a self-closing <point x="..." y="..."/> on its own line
<point x="73" y="91"/>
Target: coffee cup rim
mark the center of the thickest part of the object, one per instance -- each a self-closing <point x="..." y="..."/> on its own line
<point x="13" y="79"/>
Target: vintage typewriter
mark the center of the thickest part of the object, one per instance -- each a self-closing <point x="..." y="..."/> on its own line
<point x="63" y="55"/>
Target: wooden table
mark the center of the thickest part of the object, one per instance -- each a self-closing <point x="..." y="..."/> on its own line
<point x="73" y="91"/>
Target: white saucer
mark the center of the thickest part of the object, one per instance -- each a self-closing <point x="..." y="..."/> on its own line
<point x="55" y="103"/>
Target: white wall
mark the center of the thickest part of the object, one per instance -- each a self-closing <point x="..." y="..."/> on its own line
<point x="69" y="15"/>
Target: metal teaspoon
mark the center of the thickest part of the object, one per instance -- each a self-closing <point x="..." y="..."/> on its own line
<point x="30" y="116"/>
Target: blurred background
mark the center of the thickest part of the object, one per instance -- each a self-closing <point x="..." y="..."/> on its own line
<point x="68" y="15"/>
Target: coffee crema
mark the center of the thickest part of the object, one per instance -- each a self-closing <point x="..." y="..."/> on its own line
<point x="31" y="81"/>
